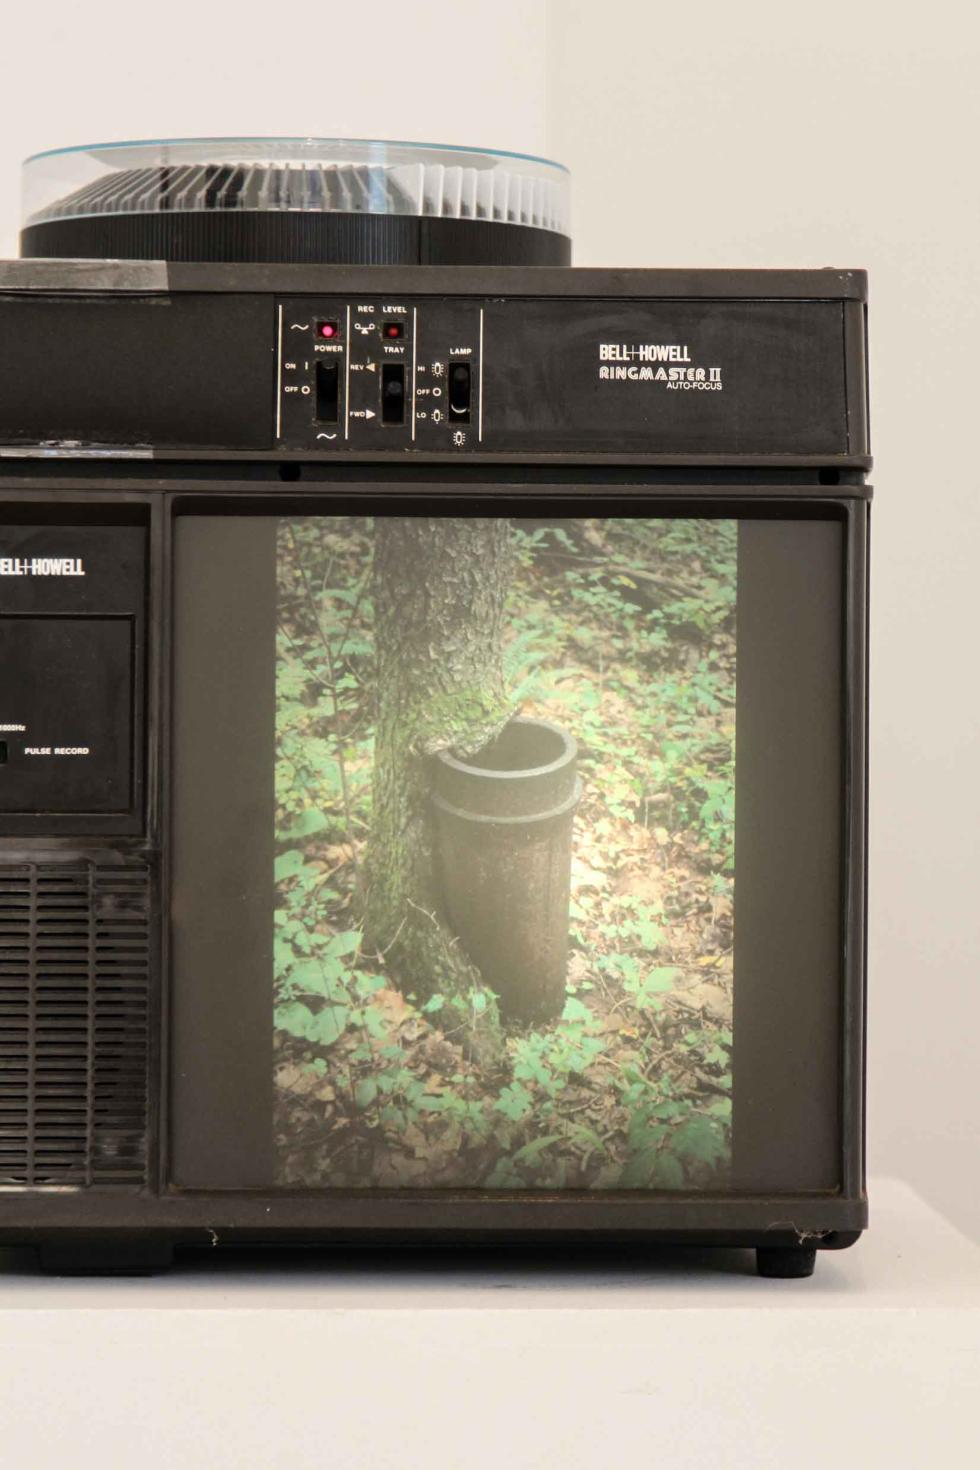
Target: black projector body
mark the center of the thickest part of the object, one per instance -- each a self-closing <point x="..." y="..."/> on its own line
<point x="175" y="435"/>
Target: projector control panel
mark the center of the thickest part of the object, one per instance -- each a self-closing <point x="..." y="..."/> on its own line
<point x="392" y="375"/>
<point x="452" y="375"/>
<point x="379" y="374"/>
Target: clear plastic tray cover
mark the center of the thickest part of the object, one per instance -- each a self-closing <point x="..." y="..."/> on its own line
<point x="306" y="174"/>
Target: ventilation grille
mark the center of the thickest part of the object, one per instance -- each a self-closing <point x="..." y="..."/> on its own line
<point x="74" y="983"/>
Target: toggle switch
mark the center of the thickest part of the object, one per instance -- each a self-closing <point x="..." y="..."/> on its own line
<point x="327" y="392"/>
<point x="392" y="393"/>
<point x="459" y="393"/>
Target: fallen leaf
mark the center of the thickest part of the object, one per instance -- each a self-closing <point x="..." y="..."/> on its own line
<point x="296" y="1079"/>
<point x="392" y="1003"/>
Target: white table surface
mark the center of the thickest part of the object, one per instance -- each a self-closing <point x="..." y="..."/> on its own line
<point x="676" y="1360"/>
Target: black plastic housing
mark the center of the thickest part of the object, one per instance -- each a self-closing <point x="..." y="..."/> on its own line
<point x="175" y="407"/>
<point x="324" y="239"/>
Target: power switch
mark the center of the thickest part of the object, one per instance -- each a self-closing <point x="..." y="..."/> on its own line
<point x="459" y="392"/>
<point x="327" y="392"/>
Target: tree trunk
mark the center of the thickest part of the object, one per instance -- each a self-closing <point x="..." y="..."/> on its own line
<point x="440" y="586"/>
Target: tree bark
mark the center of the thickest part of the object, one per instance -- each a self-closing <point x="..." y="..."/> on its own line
<point x="440" y="587"/>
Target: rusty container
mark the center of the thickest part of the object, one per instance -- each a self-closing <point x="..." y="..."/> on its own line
<point x="504" y="850"/>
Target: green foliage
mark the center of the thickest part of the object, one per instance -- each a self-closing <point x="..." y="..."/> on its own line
<point x="324" y="656"/>
<point x="323" y="1027"/>
<point x="649" y="714"/>
<point x="623" y="631"/>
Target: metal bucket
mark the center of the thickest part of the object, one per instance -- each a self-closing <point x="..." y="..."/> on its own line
<point x="504" y="851"/>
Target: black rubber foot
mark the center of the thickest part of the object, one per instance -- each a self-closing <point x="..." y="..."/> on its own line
<point x="105" y="1257"/>
<point x="785" y="1261"/>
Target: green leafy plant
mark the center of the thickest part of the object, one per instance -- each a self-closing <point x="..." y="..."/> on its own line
<point x="623" y="631"/>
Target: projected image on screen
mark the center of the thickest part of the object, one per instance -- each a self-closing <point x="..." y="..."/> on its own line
<point x="505" y="788"/>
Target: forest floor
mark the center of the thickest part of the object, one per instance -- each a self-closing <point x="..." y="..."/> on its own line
<point x="622" y="631"/>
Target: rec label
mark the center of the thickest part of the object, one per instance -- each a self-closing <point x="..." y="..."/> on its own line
<point x="645" y="362"/>
<point x="42" y="566"/>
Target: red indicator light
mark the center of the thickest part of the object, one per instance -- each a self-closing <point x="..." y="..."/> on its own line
<point x="327" y="330"/>
<point x="393" y="329"/>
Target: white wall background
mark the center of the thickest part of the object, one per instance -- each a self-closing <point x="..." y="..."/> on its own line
<point x="843" y="134"/>
<point x="74" y="73"/>
<point x="710" y="134"/>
